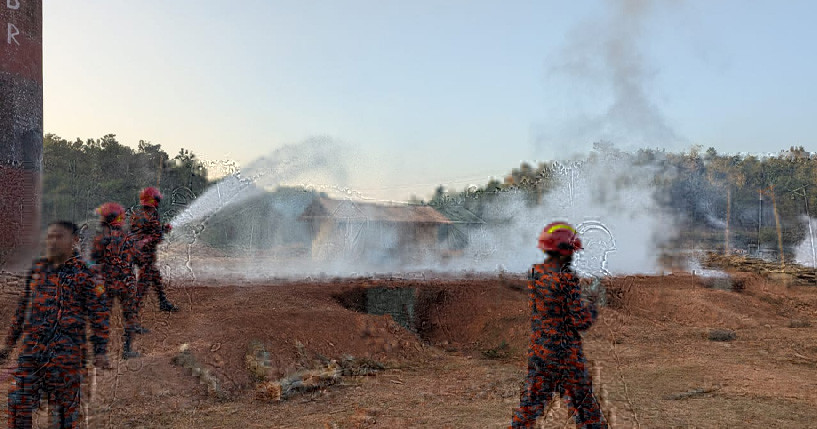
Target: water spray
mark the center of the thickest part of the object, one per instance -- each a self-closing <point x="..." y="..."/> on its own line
<point x="607" y="244"/>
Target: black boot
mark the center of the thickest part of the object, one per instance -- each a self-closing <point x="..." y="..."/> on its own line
<point x="165" y="305"/>
<point x="127" y="353"/>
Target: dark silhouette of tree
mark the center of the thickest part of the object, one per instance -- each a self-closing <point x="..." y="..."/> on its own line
<point x="78" y="176"/>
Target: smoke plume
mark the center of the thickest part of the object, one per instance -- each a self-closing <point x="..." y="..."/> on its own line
<point x="603" y="63"/>
<point x="608" y="197"/>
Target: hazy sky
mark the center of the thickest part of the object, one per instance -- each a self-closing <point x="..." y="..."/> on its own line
<point x="430" y="92"/>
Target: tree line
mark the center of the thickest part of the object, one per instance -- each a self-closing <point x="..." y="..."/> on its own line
<point x="78" y="176"/>
<point x="705" y="190"/>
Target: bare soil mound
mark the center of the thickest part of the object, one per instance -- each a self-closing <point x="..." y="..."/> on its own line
<point x="454" y="353"/>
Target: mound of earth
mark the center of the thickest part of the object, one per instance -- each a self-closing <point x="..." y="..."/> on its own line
<point x="454" y="352"/>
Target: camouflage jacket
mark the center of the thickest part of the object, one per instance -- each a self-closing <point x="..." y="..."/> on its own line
<point x="558" y="314"/>
<point x="56" y="305"/>
<point x="147" y="229"/>
<point x="114" y="254"/>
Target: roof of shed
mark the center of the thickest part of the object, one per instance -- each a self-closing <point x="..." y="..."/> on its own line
<point x="364" y="211"/>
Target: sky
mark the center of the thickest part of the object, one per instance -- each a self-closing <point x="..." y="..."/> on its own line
<point x="423" y="93"/>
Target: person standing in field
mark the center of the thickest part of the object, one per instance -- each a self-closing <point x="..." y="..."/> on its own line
<point x="61" y="296"/>
<point x="113" y="253"/>
<point x="556" y="361"/>
<point x="148" y="231"/>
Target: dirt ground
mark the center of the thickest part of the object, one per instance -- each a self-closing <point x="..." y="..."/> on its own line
<point x="465" y="366"/>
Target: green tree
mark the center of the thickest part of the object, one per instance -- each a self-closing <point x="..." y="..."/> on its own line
<point x="78" y="176"/>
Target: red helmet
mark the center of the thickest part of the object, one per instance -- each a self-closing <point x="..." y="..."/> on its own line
<point x="559" y="237"/>
<point x="112" y="214"/>
<point x="150" y="197"/>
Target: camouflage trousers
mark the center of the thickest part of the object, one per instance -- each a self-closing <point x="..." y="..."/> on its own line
<point x="574" y="385"/>
<point x="126" y="291"/>
<point x="149" y="275"/>
<point x="61" y="383"/>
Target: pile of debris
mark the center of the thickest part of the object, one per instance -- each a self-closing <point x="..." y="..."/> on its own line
<point x="791" y="270"/>
<point x="186" y="360"/>
<point x="318" y="378"/>
<point x="316" y="374"/>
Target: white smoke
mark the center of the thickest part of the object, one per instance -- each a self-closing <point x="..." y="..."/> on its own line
<point x="715" y="221"/>
<point x="805" y="252"/>
<point x="606" y="74"/>
<point x="698" y="269"/>
<point x="316" y="158"/>
<point x="608" y="193"/>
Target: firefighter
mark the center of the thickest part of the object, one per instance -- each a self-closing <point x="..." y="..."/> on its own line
<point x="113" y="254"/>
<point x="61" y="295"/>
<point x="556" y="361"/>
<point x="148" y="231"/>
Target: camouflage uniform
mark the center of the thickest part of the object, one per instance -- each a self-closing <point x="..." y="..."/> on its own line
<point x="148" y="231"/>
<point x="114" y="255"/>
<point x="59" y="302"/>
<point x="556" y="362"/>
